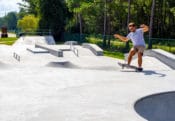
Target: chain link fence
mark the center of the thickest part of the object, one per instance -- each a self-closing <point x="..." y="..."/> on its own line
<point x="116" y="45"/>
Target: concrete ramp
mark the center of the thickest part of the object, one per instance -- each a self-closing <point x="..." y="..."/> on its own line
<point x="84" y="51"/>
<point x="165" y="57"/>
<point x="32" y="40"/>
<point x="94" y="48"/>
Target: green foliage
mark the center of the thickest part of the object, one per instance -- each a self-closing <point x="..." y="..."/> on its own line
<point x="87" y="16"/>
<point x="92" y="12"/>
<point x="28" y="23"/>
<point x="10" y="21"/>
<point x="53" y="15"/>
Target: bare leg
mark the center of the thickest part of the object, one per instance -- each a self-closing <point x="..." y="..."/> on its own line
<point x="140" y="59"/>
<point x="131" y="54"/>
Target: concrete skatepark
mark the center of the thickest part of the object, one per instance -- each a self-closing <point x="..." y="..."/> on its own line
<point x="41" y="81"/>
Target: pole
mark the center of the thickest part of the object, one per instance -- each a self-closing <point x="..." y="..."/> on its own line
<point x="129" y="12"/>
<point x="105" y="20"/>
<point x="128" y="20"/>
<point x="80" y="23"/>
<point x="151" y="24"/>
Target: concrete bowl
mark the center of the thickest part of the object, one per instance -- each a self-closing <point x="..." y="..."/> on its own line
<point x="157" y="107"/>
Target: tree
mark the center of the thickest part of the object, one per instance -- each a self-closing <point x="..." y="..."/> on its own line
<point x="129" y="12"/>
<point x="88" y="16"/>
<point x="128" y="20"/>
<point x="151" y="24"/>
<point x="52" y="15"/>
<point x="78" y="7"/>
<point x="11" y="20"/>
<point x="28" y="23"/>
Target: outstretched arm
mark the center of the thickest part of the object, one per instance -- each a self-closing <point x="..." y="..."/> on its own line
<point x="144" y="27"/>
<point x="122" y="38"/>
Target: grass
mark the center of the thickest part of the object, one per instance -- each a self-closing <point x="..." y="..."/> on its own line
<point x="8" y="41"/>
<point x="166" y="48"/>
<point x="118" y="55"/>
<point x="115" y="51"/>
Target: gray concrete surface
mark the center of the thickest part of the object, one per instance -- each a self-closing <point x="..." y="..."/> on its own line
<point x="42" y="87"/>
<point x="45" y="93"/>
<point x="160" y="107"/>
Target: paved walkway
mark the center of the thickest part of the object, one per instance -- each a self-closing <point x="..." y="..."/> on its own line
<point x="10" y="34"/>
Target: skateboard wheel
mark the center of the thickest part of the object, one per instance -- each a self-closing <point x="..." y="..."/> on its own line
<point x="139" y="69"/>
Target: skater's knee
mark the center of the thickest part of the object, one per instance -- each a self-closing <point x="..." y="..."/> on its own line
<point x="140" y="55"/>
<point x="132" y="52"/>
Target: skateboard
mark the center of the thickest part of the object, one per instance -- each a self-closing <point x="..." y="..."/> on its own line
<point x="130" y="67"/>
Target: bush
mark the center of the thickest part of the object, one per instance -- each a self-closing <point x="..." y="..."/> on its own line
<point x="28" y="23"/>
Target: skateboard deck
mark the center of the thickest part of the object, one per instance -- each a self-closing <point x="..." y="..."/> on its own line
<point x="129" y="67"/>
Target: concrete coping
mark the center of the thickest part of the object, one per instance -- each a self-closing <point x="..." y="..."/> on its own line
<point x="94" y="48"/>
<point x="165" y="57"/>
<point x="167" y="54"/>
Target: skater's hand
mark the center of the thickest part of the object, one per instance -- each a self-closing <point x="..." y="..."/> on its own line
<point x="116" y="35"/>
<point x="144" y="27"/>
<point x="122" y="38"/>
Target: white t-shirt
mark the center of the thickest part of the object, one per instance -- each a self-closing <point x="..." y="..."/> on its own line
<point x="137" y="37"/>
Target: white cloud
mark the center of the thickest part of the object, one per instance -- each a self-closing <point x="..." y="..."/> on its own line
<point x="8" y="6"/>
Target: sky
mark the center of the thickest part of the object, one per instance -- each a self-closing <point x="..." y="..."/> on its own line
<point x="8" y="6"/>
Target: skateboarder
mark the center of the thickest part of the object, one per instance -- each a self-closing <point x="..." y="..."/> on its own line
<point x="137" y="38"/>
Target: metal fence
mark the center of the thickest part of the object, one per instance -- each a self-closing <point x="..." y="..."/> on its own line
<point x="112" y="43"/>
<point x="163" y="43"/>
<point x="42" y="32"/>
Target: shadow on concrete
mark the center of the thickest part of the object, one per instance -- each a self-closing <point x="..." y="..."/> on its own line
<point x="4" y="66"/>
<point x="65" y="64"/>
<point x="149" y="72"/>
<point x="158" y="107"/>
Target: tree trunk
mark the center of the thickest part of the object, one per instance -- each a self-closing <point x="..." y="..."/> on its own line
<point x="81" y="26"/>
<point x="129" y="12"/>
<point x="128" y="20"/>
<point x="105" y="22"/>
<point x="151" y="24"/>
